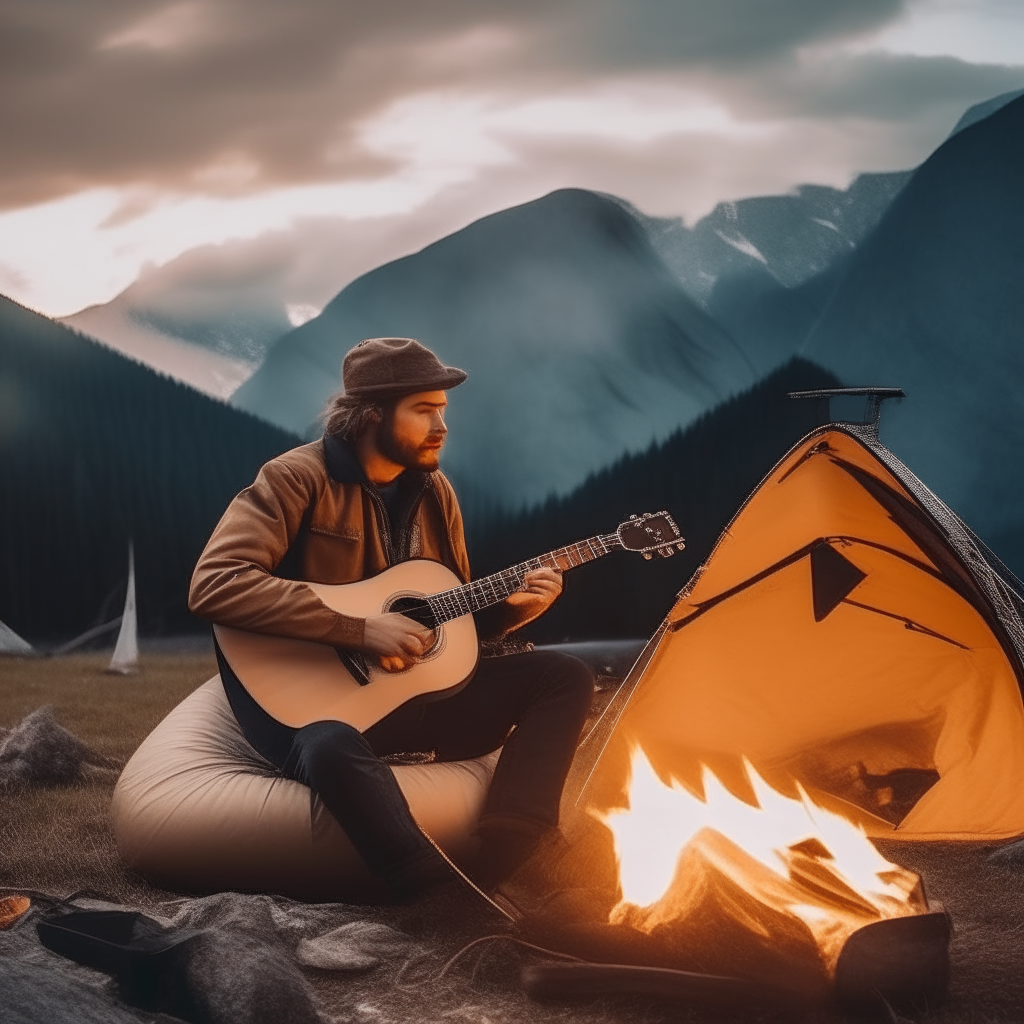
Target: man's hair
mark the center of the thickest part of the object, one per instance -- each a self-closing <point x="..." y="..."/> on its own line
<point x="347" y="416"/>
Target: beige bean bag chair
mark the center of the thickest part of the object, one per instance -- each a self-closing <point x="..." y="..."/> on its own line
<point x="198" y="810"/>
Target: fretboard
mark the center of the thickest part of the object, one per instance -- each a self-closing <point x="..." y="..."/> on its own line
<point x="482" y="593"/>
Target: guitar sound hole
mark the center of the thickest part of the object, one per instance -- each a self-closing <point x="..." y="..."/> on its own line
<point x="418" y="610"/>
<point x="414" y="608"/>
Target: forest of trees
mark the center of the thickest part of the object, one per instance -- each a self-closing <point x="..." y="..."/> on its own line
<point x="701" y="475"/>
<point x="95" y="450"/>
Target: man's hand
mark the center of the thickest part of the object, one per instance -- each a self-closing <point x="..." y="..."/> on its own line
<point x="541" y="588"/>
<point x="396" y="640"/>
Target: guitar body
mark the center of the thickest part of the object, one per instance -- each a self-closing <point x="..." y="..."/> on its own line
<point x="298" y="681"/>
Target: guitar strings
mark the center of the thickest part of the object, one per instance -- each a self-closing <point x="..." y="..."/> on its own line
<point x="451" y="604"/>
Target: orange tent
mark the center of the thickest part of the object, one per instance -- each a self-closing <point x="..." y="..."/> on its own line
<point x="847" y="633"/>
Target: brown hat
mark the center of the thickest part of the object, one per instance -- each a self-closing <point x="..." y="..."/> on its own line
<point x="394" y="366"/>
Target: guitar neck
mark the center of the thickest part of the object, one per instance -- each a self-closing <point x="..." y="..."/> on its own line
<point x="482" y="593"/>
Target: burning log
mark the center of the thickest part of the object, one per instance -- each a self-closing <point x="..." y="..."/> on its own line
<point x="903" y="963"/>
<point x="552" y="981"/>
<point x="784" y="901"/>
<point x="900" y="964"/>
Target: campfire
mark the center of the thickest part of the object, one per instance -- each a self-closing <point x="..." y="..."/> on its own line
<point x="764" y="896"/>
<point x="785" y="869"/>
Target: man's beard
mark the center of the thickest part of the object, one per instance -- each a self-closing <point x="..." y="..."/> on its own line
<point x="406" y="455"/>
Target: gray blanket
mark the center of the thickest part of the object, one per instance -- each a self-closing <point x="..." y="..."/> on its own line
<point x="245" y="967"/>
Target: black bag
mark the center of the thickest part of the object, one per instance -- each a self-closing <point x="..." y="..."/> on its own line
<point x="147" y="959"/>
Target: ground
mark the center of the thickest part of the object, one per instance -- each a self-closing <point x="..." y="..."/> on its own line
<point x="60" y="840"/>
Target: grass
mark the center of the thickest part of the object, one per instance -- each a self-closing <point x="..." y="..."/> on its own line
<point x="112" y="713"/>
<point x="60" y="840"/>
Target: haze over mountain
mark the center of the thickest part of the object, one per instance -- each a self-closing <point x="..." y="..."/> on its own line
<point x="700" y="475"/>
<point x="580" y="343"/>
<point x="583" y="346"/>
<point x="205" y="369"/>
<point x="207" y="317"/>
<point x="933" y="302"/>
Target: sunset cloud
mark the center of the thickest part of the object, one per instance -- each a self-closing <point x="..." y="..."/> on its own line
<point x="136" y="131"/>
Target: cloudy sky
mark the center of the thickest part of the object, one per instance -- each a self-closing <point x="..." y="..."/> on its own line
<point x="318" y="138"/>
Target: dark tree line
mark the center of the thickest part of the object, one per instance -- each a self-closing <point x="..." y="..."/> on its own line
<point x="701" y="475"/>
<point x="96" y="449"/>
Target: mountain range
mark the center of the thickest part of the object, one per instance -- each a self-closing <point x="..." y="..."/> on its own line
<point x="789" y="238"/>
<point x="922" y="290"/>
<point x="933" y="302"/>
<point x="209" y="316"/>
<point x="580" y="343"/>
<point x="765" y="267"/>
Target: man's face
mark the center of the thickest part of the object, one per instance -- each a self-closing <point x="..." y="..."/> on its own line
<point x="413" y="433"/>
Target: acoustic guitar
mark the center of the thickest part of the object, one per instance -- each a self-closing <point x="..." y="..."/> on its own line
<point x="298" y="681"/>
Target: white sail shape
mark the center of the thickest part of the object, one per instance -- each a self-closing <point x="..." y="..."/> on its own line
<point x="126" y="651"/>
<point x="11" y="643"/>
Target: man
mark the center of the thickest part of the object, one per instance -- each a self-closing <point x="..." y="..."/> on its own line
<point x="369" y="494"/>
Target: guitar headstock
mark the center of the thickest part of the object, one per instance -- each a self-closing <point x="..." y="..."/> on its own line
<point x="653" y="533"/>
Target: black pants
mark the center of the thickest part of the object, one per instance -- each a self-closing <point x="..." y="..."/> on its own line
<point x="532" y="705"/>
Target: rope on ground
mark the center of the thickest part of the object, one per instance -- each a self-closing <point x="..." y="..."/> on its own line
<point x="453" y="960"/>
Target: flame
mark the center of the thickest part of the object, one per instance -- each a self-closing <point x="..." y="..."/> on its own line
<point x="783" y="856"/>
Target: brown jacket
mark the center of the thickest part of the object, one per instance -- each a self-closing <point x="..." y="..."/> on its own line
<point x="307" y="517"/>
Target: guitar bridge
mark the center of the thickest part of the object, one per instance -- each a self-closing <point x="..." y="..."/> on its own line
<point x="355" y="663"/>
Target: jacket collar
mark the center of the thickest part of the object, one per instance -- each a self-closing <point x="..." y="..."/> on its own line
<point x="344" y="467"/>
<point x="341" y="462"/>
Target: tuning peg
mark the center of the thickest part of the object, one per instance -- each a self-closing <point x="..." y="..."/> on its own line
<point x="647" y="555"/>
<point x="666" y="552"/>
<point x="680" y="545"/>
